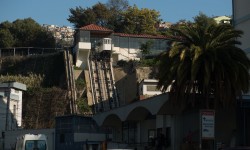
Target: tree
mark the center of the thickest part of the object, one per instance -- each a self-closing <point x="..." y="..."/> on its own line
<point x="6" y="39"/>
<point x="81" y="17"/>
<point x="25" y="33"/>
<point x="98" y="14"/>
<point x="139" y="21"/>
<point x="117" y="8"/>
<point x="118" y="5"/>
<point x="204" y="61"/>
<point x="102" y="14"/>
<point x="118" y="16"/>
<point x="44" y="39"/>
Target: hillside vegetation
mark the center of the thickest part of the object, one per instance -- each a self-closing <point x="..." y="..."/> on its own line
<point x="46" y="95"/>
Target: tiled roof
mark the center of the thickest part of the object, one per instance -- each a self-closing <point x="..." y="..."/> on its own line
<point x="142" y="36"/>
<point x="93" y="27"/>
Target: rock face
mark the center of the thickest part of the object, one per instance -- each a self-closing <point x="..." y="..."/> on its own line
<point x="127" y="80"/>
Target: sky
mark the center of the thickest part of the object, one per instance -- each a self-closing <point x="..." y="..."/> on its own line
<point x="56" y="12"/>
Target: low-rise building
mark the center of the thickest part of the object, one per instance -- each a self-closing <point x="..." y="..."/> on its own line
<point x="11" y="105"/>
<point x="223" y="19"/>
<point x="148" y="88"/>
<point x="97" y="49"/>
<point x="78" y="133"/>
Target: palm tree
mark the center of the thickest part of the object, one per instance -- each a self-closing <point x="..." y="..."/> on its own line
<point x="204" y="63"/>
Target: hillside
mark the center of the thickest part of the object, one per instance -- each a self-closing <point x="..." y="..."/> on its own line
<point x="46" y="95"/>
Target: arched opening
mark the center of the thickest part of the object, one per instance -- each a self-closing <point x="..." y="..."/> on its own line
<point x="138" y="114"/>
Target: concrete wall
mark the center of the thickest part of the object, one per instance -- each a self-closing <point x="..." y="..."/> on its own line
<point x="82" y="59"/>
<point x="14" y="110"/>
<point x="82" y="137"/>
<point x="144" y="127"/>
<point x="241" y="21"/>
<point x="225" y="123"/>
<point x="127" y="82"/>
<point x="127" y="54"/>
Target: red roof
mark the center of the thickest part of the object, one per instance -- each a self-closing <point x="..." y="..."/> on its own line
<point x="93" y="27"/>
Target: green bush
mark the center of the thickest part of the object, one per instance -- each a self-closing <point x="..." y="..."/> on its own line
<point x="31" y="80"/>
<point x="80" y="84"/>
<point x="83" y="106"/>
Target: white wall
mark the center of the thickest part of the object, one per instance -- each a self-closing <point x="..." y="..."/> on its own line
<point x="82" y="59"/>
<point x="15" y="100"/>
<point x="126" y="54"/>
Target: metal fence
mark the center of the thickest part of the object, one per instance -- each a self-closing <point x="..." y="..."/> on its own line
<point x="26" y="51"/>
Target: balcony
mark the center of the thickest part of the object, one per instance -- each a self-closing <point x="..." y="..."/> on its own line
<point x="106" y="44"/>
<point x="105" y="47"/>
<point x="83" y="46"/>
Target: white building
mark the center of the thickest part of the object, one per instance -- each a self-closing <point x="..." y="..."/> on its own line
<point x="96" y="49"/>
<point x="148" y="88"/>
<point x="123" y="46"/>
<point x="11" y="105"/>
<point x="222" y="19"/>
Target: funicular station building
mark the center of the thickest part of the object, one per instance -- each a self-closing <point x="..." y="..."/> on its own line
<point x="138" y="124"/>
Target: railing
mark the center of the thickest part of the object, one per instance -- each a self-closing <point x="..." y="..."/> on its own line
<point x="137" y="146"/>
<point x="26" y="51"/>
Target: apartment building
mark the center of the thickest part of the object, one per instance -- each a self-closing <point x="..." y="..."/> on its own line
<point x="241" y="21"/>
<point x="64" y="35"/>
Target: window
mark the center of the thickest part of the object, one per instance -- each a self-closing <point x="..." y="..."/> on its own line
<point x="115" y="40"/>
<point x="151" y="134"/>
<point x="35" y="145"/>
<point x="134" y="43"/>
<point x="62" y="138"/>
<point x="152" y="88"/>
<point x="129" y="130"/>
<point x="14" y="111"/>
<point x="124" y="42"/>
<point x="106" y="41"/>
<point x="84" y="36"/>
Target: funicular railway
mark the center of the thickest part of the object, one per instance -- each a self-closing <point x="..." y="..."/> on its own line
<point x="93" y="50"/>
<point x="101" y="75"/>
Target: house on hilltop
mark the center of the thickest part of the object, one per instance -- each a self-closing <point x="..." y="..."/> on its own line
<point x="222" y="19"/>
